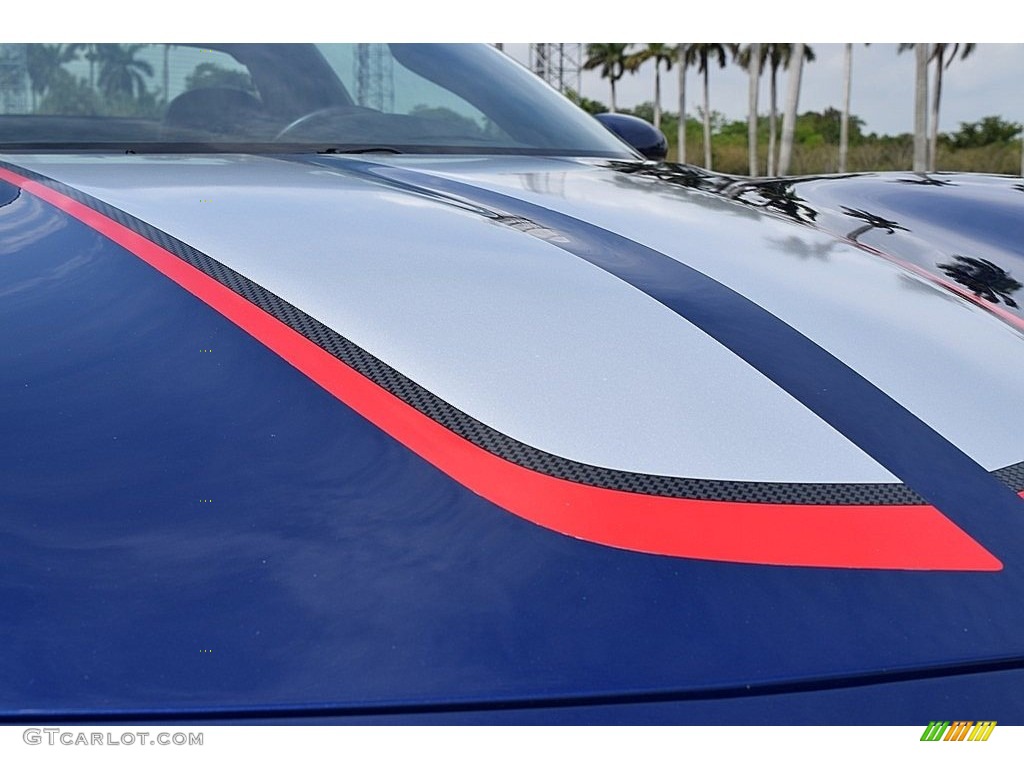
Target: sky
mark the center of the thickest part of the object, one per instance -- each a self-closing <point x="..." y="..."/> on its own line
<point x="989" y="82"/>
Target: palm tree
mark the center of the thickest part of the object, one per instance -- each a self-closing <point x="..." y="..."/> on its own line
<point x="844" y="122"/>
<point x="121" y="74"/>
<point x="750" y="58"/>
<point x="92" y="56"/>
<point x="43" y="63"/>
<point x="167" y="74"/>
<point x="611" y="58"/>
<point x="796" y="66"/>
<point x="777" y="55"/>
<point x="700" y="54"/>
<point x="926" y="142"/>
<point x="941" y="62"/>
<point x="920" y="103"/>
<point x="681" y="62"/>
<point x="659" y="53"/>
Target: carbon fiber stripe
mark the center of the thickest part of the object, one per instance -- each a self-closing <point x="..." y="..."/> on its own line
<point x="1013" y="476"/>
<point x="478" y="433"/>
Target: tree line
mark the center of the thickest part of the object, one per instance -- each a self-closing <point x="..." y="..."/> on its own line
<point x="765" y="137"/>
<point x="116" y="80"/>
<point x="120" y="82"/>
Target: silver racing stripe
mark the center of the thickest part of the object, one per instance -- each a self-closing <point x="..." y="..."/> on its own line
<point x="542" y="348"/>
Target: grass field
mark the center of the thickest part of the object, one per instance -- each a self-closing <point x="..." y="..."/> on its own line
<point x="728" y="157"/>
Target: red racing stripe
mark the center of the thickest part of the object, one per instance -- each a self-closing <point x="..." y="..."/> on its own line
<point x="916" y="537"/>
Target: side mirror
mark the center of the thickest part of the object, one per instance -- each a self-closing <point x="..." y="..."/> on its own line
<point x="639" y="134"/>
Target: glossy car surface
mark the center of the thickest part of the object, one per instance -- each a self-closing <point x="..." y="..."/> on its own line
<point x="322" y="423"/>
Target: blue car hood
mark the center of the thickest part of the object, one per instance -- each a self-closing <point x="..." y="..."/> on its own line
<point x="199" y="519"/>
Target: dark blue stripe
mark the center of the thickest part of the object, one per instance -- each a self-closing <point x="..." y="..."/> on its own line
<point x="911" y="450"/>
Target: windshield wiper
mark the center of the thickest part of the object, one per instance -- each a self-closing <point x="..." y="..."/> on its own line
<point x="360" y="150"/>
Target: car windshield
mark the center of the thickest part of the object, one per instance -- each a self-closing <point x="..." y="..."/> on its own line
<point x="285" y="97"/>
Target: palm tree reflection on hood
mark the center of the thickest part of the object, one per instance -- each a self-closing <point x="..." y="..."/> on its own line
<point x="689" y="176"/>
<point x="805" y="249"/>
<point x="778" y="196"/>
<point x="927" y="180"/>
<point x="873" y="221"/>
<point x="983" y="278"/>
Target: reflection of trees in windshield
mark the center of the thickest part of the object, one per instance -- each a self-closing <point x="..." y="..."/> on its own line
<point x="455" y="122"/>
<point x="43" y="63"/>
<point x="121" y="73"/>
<point x="983" y="278"/>
<point x="119" y="89"/>
<point x="208" y="74"/>
<point x="872" y="221"/>
<point x="67" y="96"/>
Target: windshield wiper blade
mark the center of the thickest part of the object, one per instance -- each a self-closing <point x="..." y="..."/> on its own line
<point x="360" y="150"/>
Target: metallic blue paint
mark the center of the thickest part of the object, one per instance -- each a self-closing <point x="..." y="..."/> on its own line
<point x="333" y="569"/>
<point x="911" y="701"/>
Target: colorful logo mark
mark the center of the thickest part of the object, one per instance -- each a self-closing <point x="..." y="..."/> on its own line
<point x="959" y="730"/>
